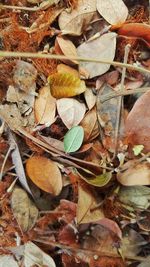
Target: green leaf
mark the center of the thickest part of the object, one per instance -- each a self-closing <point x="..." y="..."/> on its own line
<point x="73" y="139"/>
<point x="100" y="180"/>
<point x="137" y="149"/>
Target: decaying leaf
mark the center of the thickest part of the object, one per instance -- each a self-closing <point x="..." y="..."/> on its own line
<point x="65" y="47"/>
<point x="101" y="48"/>
<point x="8" y="260"/>
<point x="137" y="125"/>
<point x="65" y="85"/>
<point x="62" y="68"/>
<point x="70" y="111"/>
<point x="24" y="209"/>
<point x="115" y="12"/>
<point x="90" y="125"/>
<point x="73" y="139"/>
<point x="86" y="208"/>
<point x="90" y="98"/>
<point x="138" y="196"/>
<point x="33" y="255"/>
<point x="77" y="20"/>
<point x="45" y="107"/>
<point x="45" y="174"/>
<point x="100" y="180"/>
<point x="136" y="174"/>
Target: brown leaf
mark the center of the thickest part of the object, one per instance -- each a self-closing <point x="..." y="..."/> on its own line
<point x="137" y="174"/>
<point x="45" y="107"/>
<point x="70" y="111"/>
<point x="101" y="48"/>
<point x="115" y="12"/>
<point x="65" y="85"/>
<point x="75" y="22"/>
<point x="90" y="98"/>
<point x="137" y="125"/>
<point x="90" y="125"/>
<point x="45" y="174"/>
<point x="86" y="208"/>
<point x="24" y="209"/>
<point x="65" y="47"/>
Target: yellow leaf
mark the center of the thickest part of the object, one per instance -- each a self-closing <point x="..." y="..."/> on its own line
<point x="65" y="85"/>
<point x="45" y="174"/>
<point x="45" y="106"/>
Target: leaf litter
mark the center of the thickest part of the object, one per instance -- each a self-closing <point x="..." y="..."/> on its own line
<point x="75" y="179"/>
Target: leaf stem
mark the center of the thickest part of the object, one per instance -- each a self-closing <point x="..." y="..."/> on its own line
<point x="62" y="57"/>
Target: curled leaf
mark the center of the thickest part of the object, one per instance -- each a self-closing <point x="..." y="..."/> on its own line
<point x="65" y="85"/>
<point x="73" y="139"/>
<point x="45" y="174"/>
<point x="100" y="180"/>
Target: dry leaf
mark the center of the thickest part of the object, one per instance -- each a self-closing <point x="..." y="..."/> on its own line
<point x="65" y="85"/>
<point x="62" y="68"/>
<point x="70" y="111"/>
<point x="24" y="209"/>
<point x="65" y="47"/>
<point x="137" y="174"/>
<point x="137" y="125"/>
<point x="45" y="107"/>
<point x="85" y="208"/>
<point x="90" y="125"/>
<point x="45" y="174"/>
<point x="78" y="19"/>
<point x="90" y="98"/>
<point x="8" y="260"/>
<point x="101" y="48"/>
<point x="33" y="255"/>
<point x="114" y="12"/>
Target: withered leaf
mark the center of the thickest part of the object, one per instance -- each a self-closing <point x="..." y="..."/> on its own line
<point x="99" y="180"/>
<point x="24" y="209"/>
<point x="8" y="260"/>
<point x="45" y="174"/>
<point x="65" y="85"/>
<point x="90" y="98"/>
<point x="45" y="107"/>
<point x="101" y="48"/>
<point x="115" y="12"/>
<point x="70" y="111"/>
<point x="75" y="22"/>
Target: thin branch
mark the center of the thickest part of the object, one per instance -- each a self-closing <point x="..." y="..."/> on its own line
<point x="123" y="93"/>
<point x="62" y="57"/>
<point x="25" y="8"/>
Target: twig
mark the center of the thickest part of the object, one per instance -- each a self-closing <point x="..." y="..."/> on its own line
<point x="120" y="100"/>
<point x="62" y="57"/>
<point x="25" y="8"/>
<point x="4" y="162"/>
<point x="123" y="93"/>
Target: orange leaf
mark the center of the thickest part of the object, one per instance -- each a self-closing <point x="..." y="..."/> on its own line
<point x="65" y="85"/>
<point x="138" y="30"/>
<point x="45" y="174"/>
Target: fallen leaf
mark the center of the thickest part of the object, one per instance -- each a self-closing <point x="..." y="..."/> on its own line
<point x="90" y="98"/>
<point x="66" y="47"/>
<point x="111" y="226"/>
<point x="137" y="174"/>
<point x="101" y="48"/>
<point x="114" y="12"/>
<point x="137" y="125"/>
<point x="45" y="174"/>
<point x="77" y="20"/>
<point x="33" y="255"/>
<point x="137" y="149"/>
<point x="145" y="263"/>
<point x="8" y="260"/>
<point x="70" y="111"/>
<point x="138" y="196"/>
<point x="90" y="125"/>
<point x="139" y="30"/>
<point x="45" y="107"/>
<point x="62" y="68"/>
<point x="65" y="85"/>
<point x="73" y="139"/>
<point x="100" y="180"/>
<point x="53" y="142"/>
<point x="86" y="208"/>
<point x="23" y="209"/>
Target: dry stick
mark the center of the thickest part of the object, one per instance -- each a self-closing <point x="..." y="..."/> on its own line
<point x="62" y="57"/>
<point x="120" y="100"/>
<point x="123" y="93"/>
<point x="25" y="8"/>
<point x="4" y="162"/>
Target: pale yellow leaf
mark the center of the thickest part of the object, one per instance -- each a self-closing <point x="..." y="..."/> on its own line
<point x="45" y="107"/>
<point x="102" y="48"/>
<point x="45" y="174"/>
<point x="66" y="48"/>
<point x="90" y="98"/>
<point x="71" y="111"/>
<point x="114" y="12"/>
